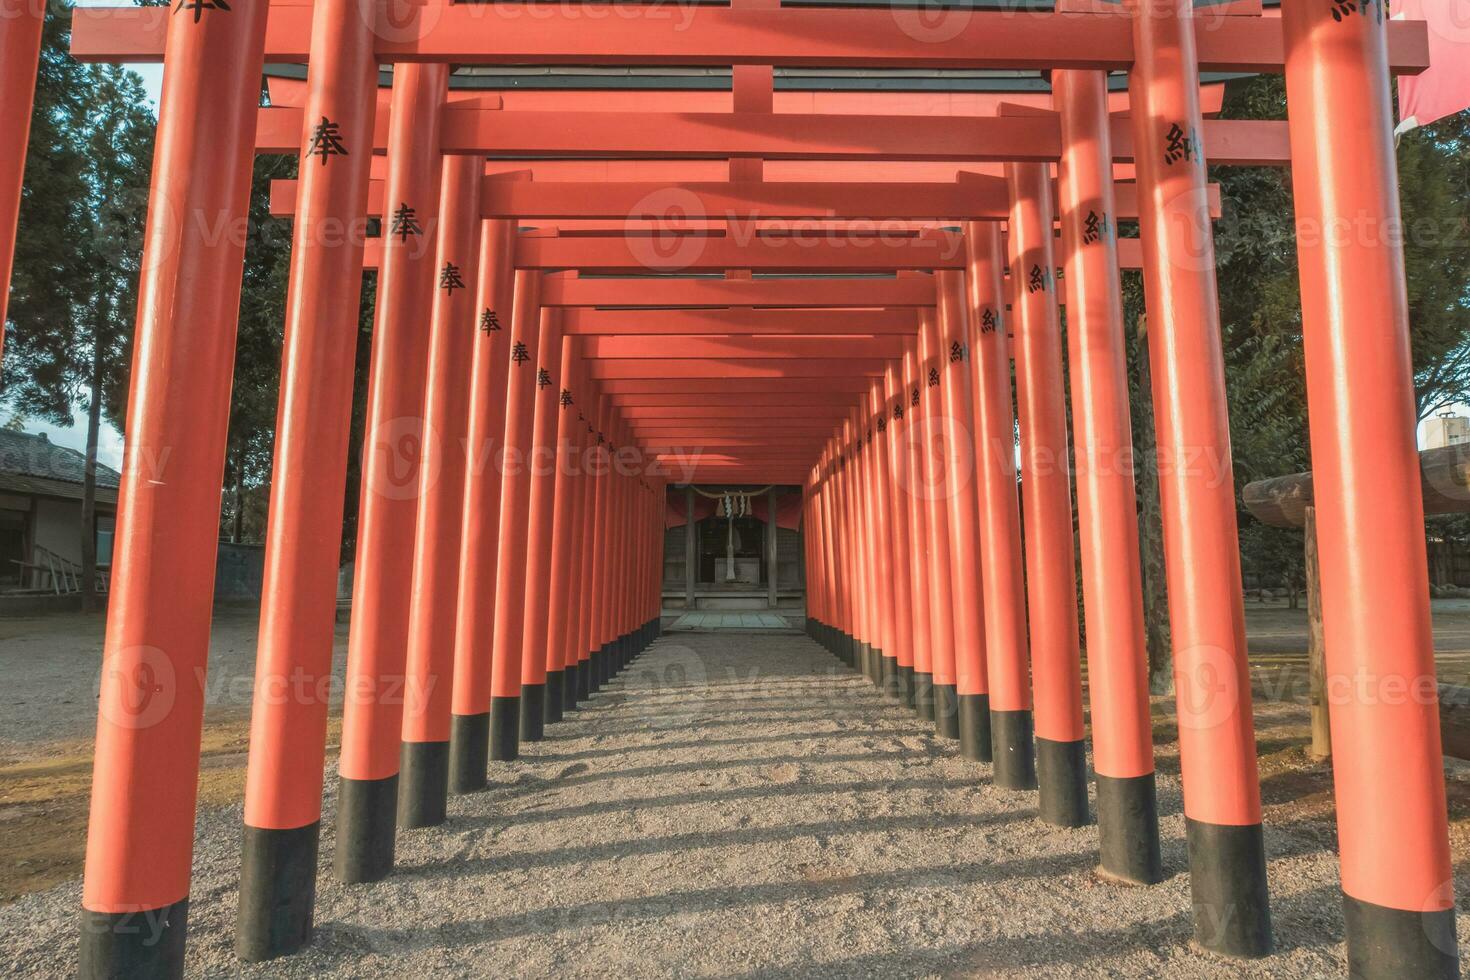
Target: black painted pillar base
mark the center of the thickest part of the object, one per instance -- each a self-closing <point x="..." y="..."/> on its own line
<point x="554" y="697"/>
<point x="1061" y="775"/>
<point x="594" y="672"/>
<point x="569" y="688"/>
<point x="1012" y="754"/>
<point x="423" y="784"/>
<point x="146" y="943"/>
<point x="890" y="686"/>
<point x="924" y="696"/>
<point x="947" y="710"/>
<point x="975" y="727"/>
<point x="1128" y="829"/>
<point x="862" y="652"/>
<point x="1386" y="943"/>
<point x="533" y="712"/>
<point x="277" y="891"/>
<point x="505" y="729"/>
<point x="1227" y="881"/>
<point x="849" y="652"/>
<point x="584" y="680"/>
<point x="367" y="818"/>
<point x="906" y="687"/>
<point x="469" y="752"/>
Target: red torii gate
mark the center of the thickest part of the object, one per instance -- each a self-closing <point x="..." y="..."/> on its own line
<point x="960" y="658"/>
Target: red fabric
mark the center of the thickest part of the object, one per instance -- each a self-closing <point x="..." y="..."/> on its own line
<point x="1444" y="89"/>
<point x="788" y="510"/>
<point x="674" y="515"/>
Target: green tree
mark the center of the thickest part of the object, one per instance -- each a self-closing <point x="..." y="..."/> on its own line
<point x="77" y="261"/>
<point x="118" y="132"/>
<point x="257" y="359"/>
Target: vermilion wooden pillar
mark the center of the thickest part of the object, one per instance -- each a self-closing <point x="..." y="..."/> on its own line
<point x="898" y="520"/>
<point x="1107" y="510"/>
<point x="891" y="435"/>
<point x="135" y="894"/>
<point x="822" y="509"/>
<point x="541" y="506"/>
<point x="830" y="614"/>
<point x="862" y="570"/>
<point x="846" y="564"/>
<point x="935" y="487"/>
<point x="1398" y="890"/>
<point x="1051" y="578"/>
<point x="21" y="22"/>
<point x="875" y="579"/>
<point x="654" y="576"/>
<point x="523" y="353"/>
<point x="1217" y="746"/>
<point x="589" y="585"/>
<point x="617" y="568"/>
<point x="912" y="485"/>
<point x="564" y="602"/>
<point x="1006" y="648"/>
<point x="962" y="498"/>
<point x="601" y="521"/>
<point x="881" y="473"/>
<point x="632" y="547"/>
<point x="837" y="555"/>
<point x="613" y="570"/>
<point x="372" y="715"/>
<point x="474" y="626"/>
<point x="859" y="559"/>
<point x="842" y="550"/>
<point x="872" y="557"/>
<point x="811" y="613"/>
<point x="283" y="783"/>
<point x="423" y="789"/>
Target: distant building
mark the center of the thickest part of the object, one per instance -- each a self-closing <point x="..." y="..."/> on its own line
<point x="1446" y="430"/>
<point x="41" y="512"/>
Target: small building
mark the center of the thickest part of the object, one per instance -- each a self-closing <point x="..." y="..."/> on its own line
<point x="41" y="513"/>
<point x="1446" y="430"/>
<point x="742" y="550"/>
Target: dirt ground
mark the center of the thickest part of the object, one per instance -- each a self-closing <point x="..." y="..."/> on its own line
<point x="733" y="806"/>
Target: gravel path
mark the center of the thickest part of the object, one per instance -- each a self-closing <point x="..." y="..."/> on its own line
<point x="739" y="806"/>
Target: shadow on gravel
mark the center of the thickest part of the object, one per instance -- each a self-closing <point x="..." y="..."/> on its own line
<point x="793" y="790"/>
<point x="642" y="847"/>
<point x="1300" y="921"/>
<point x="684" y="903"/>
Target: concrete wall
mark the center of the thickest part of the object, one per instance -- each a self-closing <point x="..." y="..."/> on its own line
<point x="239" y="572"/>
<point x="58" y="527"/>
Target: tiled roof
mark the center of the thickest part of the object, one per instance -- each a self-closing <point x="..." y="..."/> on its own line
<point x="36" y="457"/>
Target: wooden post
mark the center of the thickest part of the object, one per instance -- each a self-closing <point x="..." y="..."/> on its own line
<point x="691" y="549"/>
<point x="771" y="567"/>
<point x="1316" y="646"/>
